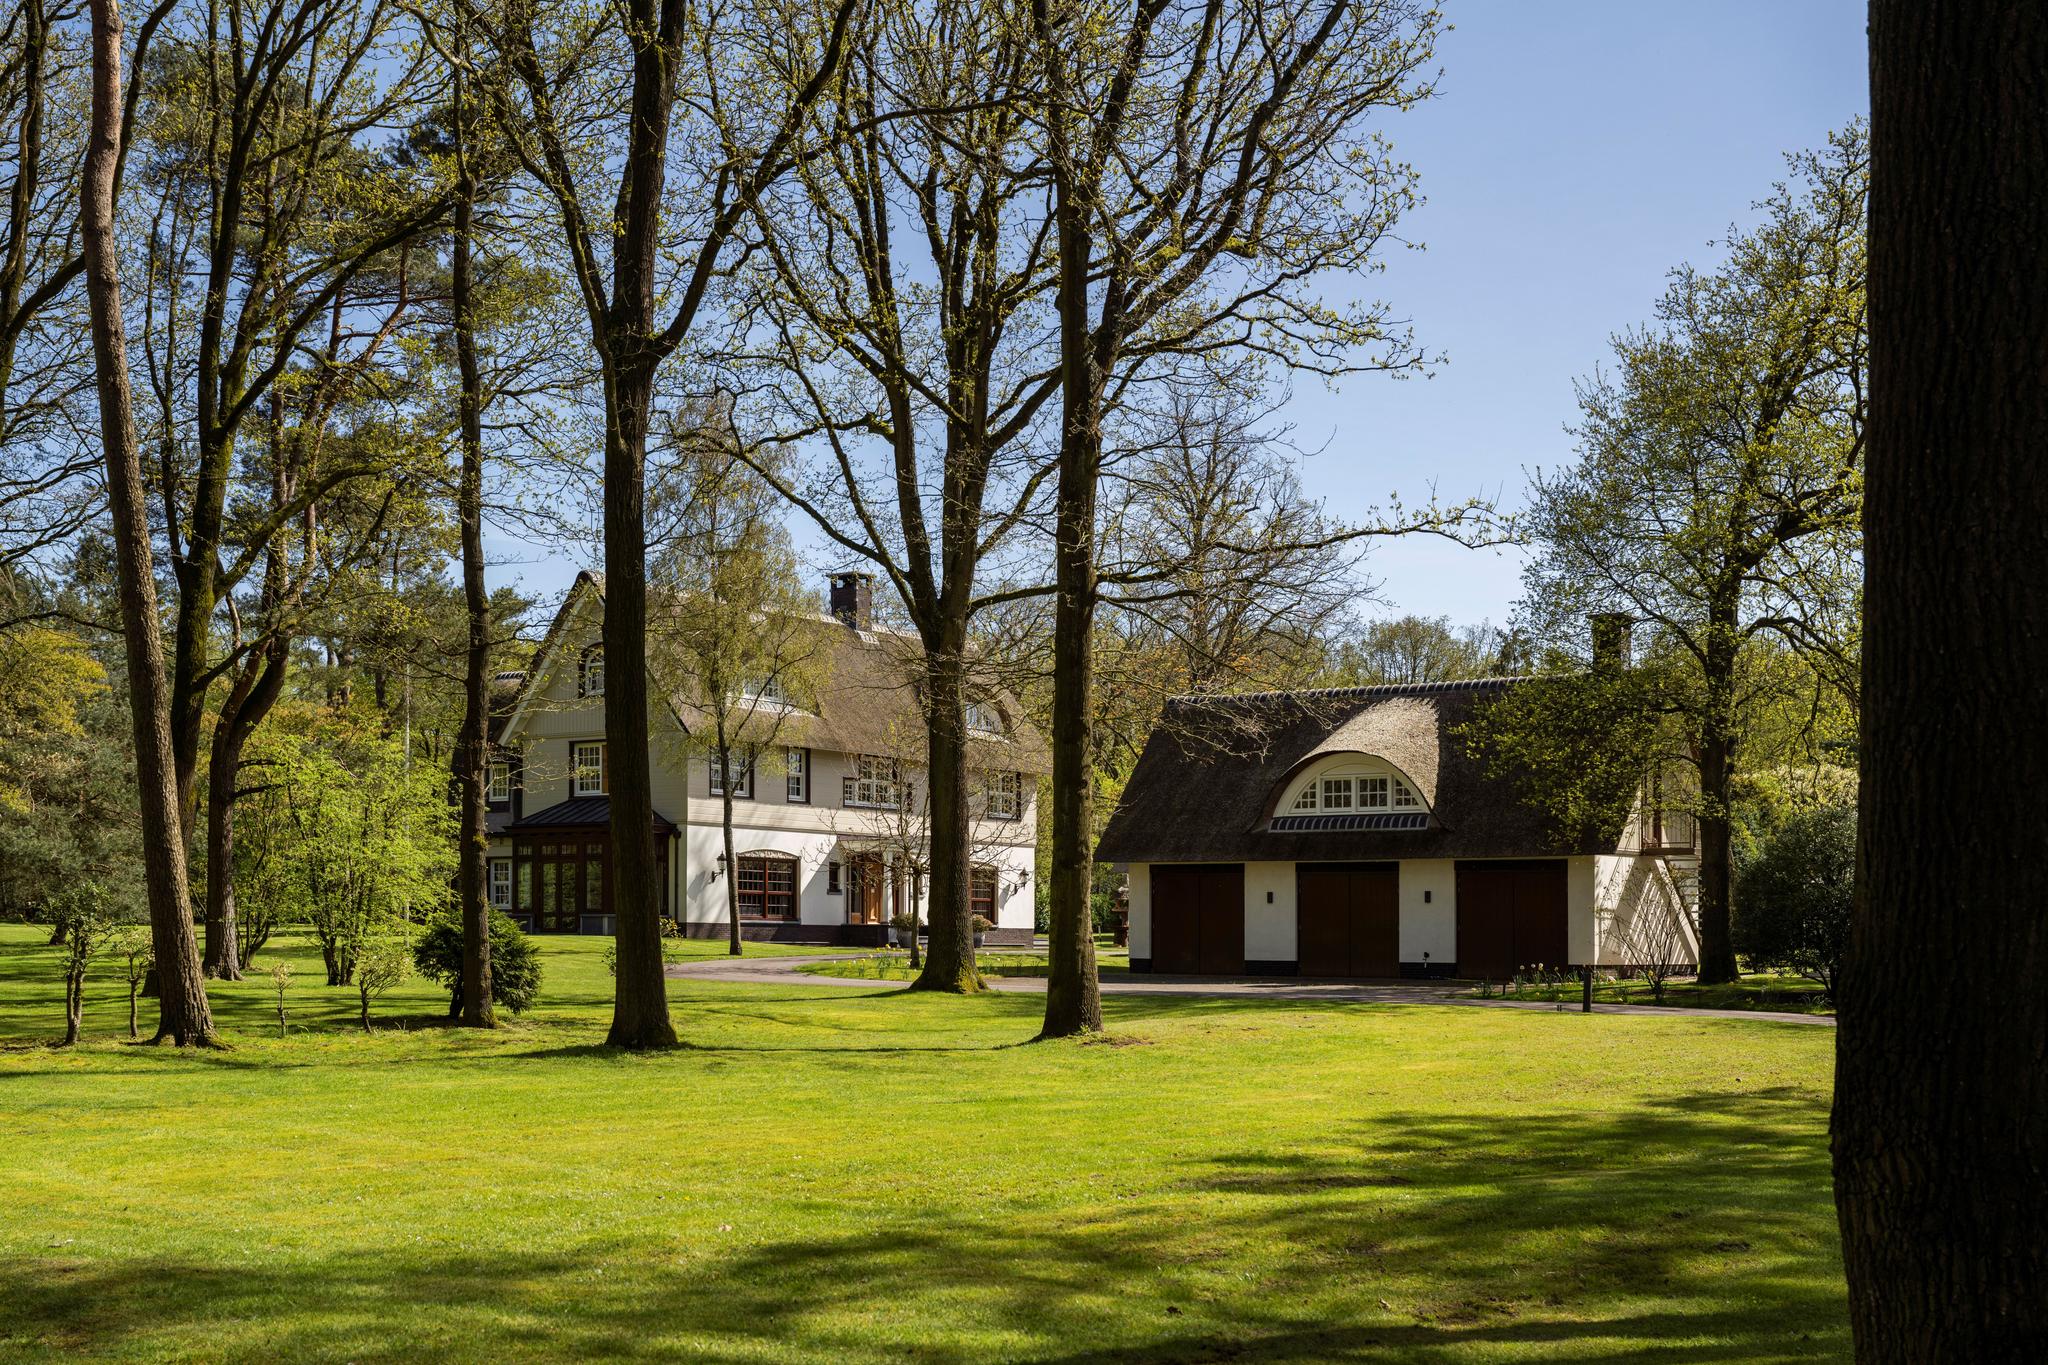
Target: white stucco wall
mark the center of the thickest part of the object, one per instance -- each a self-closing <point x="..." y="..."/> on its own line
<point x="1269" y="920"/>
<point x="1429" y="910"/>
<point x="1634" y="896"/>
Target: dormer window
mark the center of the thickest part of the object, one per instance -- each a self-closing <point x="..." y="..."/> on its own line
<point x="984" y="718"/>
<point x="1344" y="789"/>
<point x="768" y="691"/>
<point x="590" y="672"/>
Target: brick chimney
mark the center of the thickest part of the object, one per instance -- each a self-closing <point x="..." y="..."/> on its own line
<point x="1610" y="641"/>
<point x="853" y="598"/>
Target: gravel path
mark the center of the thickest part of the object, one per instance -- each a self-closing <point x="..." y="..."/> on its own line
<point x="782" y="971"/>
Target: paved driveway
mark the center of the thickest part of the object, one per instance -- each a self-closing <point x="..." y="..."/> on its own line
<point x="782" y="971"/>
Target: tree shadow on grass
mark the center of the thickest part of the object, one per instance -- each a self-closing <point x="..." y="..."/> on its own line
<point x="1685" y="1230"/>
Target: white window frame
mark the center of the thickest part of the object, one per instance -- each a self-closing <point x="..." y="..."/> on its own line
<point x="498" y="782"/>
<point x="715" y="776"/>
<point x="579" y="770"/>
<point x="500" y="883"/>
<point x="985" y="718"/>
<point x="1003" y="798"/>
<point x="1348" y="784"/>
<point x="589" y="667"/>
<point x="796" y="775"/>
<point x="764" y="692"/>
<point x="875" y="783"/>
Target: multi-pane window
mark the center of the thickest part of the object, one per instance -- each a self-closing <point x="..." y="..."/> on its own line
<point x="741" y="773"/>
<point x="769" y="690"/>
<point x="983" y="718"/>
<point x="498" y="784"/>
<point x="981" y="893"/>
<point x="501" y="883"/>
<point x="873" y="783"/>
<point x="1372" y="793"/>
<point x="767" y="887"/>
<point x="1005" y="796"/>
<point x="586" y="763"/>
<point x="1305" y="799"/>
<point x="590" y="676"/>
<point x="796" y="768"/>
<point x="1404" y="796"/>
<point x="1336" y="793"/>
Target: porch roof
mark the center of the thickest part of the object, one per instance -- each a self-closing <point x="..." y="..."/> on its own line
<point x="580" y="812"/>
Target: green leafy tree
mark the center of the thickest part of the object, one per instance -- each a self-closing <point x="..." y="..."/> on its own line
<point x="381" y="961"/>
<point x="1793" y="898"/>
<point x="1716" y="496"/>
<point x="90" y="919"/>
<point x="515" y="962"/>
<point x="354" y="835"/>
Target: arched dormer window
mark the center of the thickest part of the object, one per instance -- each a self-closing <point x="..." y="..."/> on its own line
<point x="985" y="718"/>
<point x="1345" y="790"/>
<point x="590" y="672"/>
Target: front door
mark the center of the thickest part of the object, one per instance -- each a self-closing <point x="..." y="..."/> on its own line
<point x="1348" y="919"/>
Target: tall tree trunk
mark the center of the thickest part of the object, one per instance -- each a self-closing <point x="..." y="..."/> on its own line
<point x="256" y="689"/>
<point x="640" y="1017"/>
<point x="1073" y="990"/>
<point x="949" y="960"/>
<point x="472" y="754"/>
<point x="184" y="1015"/>
<point x="732" y="866"/>
<point x="1941" y="1098"/>
<point x="1717" y="774"/>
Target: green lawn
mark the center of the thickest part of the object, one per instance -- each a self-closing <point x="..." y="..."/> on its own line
<point x="1755" y="991"/>
<point x="895" y="965"/>
<point x="851" y="1175"/>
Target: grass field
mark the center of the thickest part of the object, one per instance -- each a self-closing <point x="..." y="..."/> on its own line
<point x="829" y="1174"/>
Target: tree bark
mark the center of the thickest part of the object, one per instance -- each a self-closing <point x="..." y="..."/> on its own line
<point x="1941" y="1109"/>
<point x="640" y="1017"/>
<point x="1717" y="771"/>
<point x="949" y="963"/>
<point x="249" y="701"/>
<point x="184" y="1015"/>
<point x="732" y="867"/>
<point x="1073" y="991"/>
<point x="472" y="752"/>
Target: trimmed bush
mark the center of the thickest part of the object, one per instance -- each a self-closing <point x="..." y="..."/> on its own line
<point x="1792" y="899"/>
<point x="515" y="965"/>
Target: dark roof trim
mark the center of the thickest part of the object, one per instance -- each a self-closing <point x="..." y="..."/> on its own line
<point x="1289" y="824"/>
<point x="580" y="812"/>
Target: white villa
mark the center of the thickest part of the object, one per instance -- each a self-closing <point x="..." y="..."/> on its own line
<point x="828" y="836"/>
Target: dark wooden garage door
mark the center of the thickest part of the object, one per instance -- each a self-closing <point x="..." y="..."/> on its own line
<point x="1198" y="919"/>
<point x="1348" y="919"/>
<point x="1510" y="915"/>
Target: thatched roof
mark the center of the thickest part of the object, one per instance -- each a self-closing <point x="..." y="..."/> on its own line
<point x="867" y="703"/>
<point x="1205" y="786"/>
<point x="868" y="699"/>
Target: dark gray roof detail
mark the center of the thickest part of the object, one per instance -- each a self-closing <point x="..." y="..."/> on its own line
<point x="581" y="812"/>
<point x="1403" y="820"/>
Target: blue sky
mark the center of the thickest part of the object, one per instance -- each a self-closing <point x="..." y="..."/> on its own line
<point x="1577" y="151"/>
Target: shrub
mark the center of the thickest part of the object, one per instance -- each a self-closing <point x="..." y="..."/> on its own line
<point x="1792" y="899"/>
<point x="515" y="964"/>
